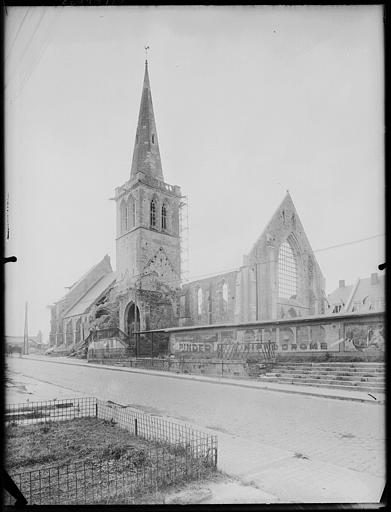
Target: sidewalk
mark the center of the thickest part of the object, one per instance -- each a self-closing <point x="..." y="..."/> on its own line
<point x="263" y="473"/>
<point x="339" y="394"/>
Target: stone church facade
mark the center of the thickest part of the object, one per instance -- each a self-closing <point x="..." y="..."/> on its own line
<point x="279" y="277"/>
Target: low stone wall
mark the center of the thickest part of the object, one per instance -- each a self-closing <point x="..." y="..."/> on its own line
<point x="211" y="366"/>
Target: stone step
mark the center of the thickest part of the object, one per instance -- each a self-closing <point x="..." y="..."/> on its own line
<point x="324" y="377"/>
<point x="359" y="387"/>
<point x="335" y="363"/>
<point x="316" y="382"/>
<point x="330" y="375"/>
<point x="316" y="379"/>
<point x="346" y="388"/>
<point x="350" y="366"/>
<point x="325" y="371"/>
<point x="330" y="370"/>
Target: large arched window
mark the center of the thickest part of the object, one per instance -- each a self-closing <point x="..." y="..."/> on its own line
<point x="287" y="271"/>
<point x="199" y="302"/>
<point x="153" y="213"/>
<point x="164" y="216"/>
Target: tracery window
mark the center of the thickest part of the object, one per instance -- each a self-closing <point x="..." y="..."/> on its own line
<point x="153" y="213"/>
<point x="164" y="217"/>
<point x="199" y="301"/>
<point x="287" y="271"/>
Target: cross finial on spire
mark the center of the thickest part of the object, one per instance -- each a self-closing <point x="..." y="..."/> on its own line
<point x="146" y="48"/>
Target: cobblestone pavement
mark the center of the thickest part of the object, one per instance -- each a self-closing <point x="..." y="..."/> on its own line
<point x="349" y="435"/>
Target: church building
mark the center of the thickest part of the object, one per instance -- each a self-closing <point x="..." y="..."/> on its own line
<point x="279" y="277"/>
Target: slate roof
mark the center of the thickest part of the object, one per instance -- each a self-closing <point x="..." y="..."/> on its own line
<point x="364" y="294"/>
<point x="92" y="295"/>
<point x="146" y="154"/>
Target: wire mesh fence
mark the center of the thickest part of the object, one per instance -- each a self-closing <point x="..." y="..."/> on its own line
<point x="50" y="410"/>
<point x="155" y="428"/>
<point x="177" y="453"/>
<point x="108" y="481"/>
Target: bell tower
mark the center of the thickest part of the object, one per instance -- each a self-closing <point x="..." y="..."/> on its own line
<point x="148" y="237"/>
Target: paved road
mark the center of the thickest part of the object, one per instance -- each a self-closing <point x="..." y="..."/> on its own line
<point x="346" y="434"/>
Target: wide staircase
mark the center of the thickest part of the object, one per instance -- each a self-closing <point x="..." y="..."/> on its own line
<point x="348" y="376"/>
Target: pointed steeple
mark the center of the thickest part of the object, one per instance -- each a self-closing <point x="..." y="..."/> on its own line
<point x="146" y="154"/>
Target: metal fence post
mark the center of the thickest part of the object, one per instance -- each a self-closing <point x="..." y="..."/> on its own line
<point x="135" y="427"/>
<point x="96" y="408"/>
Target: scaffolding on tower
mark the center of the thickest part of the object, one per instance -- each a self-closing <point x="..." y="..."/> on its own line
<point x="184" y="238"/>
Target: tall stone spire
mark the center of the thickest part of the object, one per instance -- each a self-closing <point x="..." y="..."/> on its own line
<point x="146" y="154"/>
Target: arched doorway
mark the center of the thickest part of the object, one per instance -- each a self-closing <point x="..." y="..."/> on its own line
<point x="132" y="321"/>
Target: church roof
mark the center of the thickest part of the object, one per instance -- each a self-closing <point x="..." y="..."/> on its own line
<point x="106" y="260"/>
<point x="92" y="295"/>
<point x="146" y="154"/>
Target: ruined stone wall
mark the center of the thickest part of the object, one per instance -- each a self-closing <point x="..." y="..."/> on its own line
<point x="254" y="289"/>
<point x="216" y="306"/>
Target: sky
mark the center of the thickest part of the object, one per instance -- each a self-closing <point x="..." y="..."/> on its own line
<point x="249" y="102"/>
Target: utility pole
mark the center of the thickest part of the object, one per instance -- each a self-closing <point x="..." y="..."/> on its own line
<point x="26" y="333"/>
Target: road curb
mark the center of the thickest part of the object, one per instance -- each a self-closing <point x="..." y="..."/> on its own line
<point x="210" y="380"/>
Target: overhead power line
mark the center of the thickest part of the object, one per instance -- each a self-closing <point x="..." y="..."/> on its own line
<point x="193" y="278"/>
<point x="46" y="42"/>
<point x="27" y="46"/>
<point x="227" y="271"/>
<point x="17" y="33"/>
<point x="349" y="243"/>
